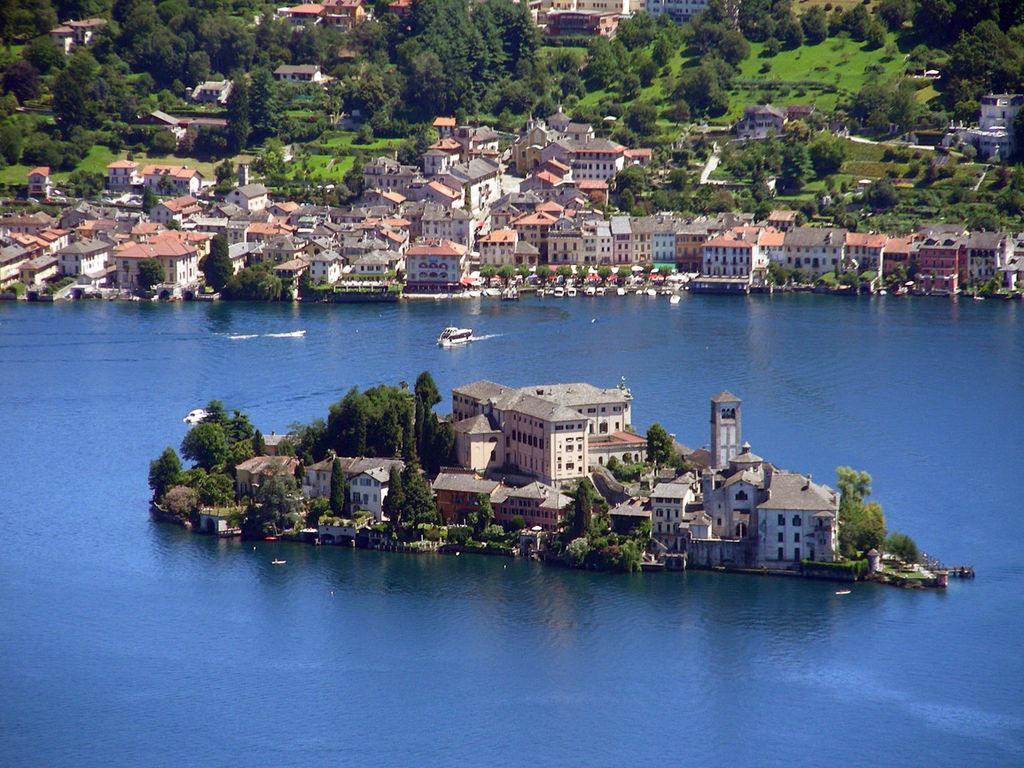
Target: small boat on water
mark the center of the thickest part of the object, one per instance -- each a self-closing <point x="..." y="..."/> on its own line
<point x="651" y="292"/>
<point x="620" y="291"/>
<point x="979" y="298"/>
<point x="590" y="290"/>
<point x="196" y="416"/>
<point x="276" y="561"/>
<point x="600" y="290"/>
<point x="288" y="335"/>
<point x="842" y="591"/>
<point x="510" y="294"/>
<point x="674" y="299"/>
<point x="558" y="292"/>
<point x="452" y="336"/>
<point x="570" y="291"/>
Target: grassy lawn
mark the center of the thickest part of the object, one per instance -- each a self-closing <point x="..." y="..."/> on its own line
<point x="817" y="73"/>
<point x="343" y="140"/>
<point x="330" y="168"/>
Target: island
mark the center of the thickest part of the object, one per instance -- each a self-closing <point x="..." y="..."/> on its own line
<point x="554" y="472"/>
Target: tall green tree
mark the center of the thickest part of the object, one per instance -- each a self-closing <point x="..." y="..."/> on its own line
<point x="206" y="445"/>
<point x="419" y="499"/>
<point x="339" y="490"/>
<point x="266" y="109"/>
<point x="73" y="101"/>
<point x="659" y="445"/>
<point x="151" y="272"/>
<point x="861" y="526"/>
<point x="164" y="473"/>
<point x="217" y="266"/>
<point x="239" y="124"/>
<point x="394" y="503"/>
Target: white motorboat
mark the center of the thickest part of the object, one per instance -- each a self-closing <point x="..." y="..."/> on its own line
<point x="278" y="561"/>
<point x="674" y="299"/>
<point x="570" y="291"/>
<point x="196" y="416"/>
<point x="558" y="292"/>
<point x="600" y="290"/>
<point x="452" y="336"/>
<point x="590" y="290"/>
<point x="620" y="291"/>
<point x="651" y="292"/>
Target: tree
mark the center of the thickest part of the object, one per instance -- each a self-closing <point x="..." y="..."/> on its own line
<point x="903" y="547"/>
<point x="815" y="25"/>
<point x="861" y="526"/>
<point x="181" y="501"/>
<point x="339" y="489"/>
<point x="543" y="271"/>
<point x="827" y="154"/>
<point x="217" y="266"/>
<point x="239" y="451"/>
<point x="164" y="472"/>
<point x="796" y="166"/>
<point x="215" y="490"/>
<point x="582" y="509"/>
<point x="484" y="512"/>
<point x="277" y="506"/>
<point x="394" y="502"/>
<point x="151" y="272"/>
<point x="419" y="499"/>
<point x="72" y="102"/>
<point x="238" y="115"/>
<point x="206" y="445"/>
<point x="22" y="79"/>
<point x="659" y="445"/>
<point x="265" y="108"/>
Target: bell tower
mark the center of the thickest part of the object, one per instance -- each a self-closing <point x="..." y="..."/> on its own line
<point x="725" y="429"/>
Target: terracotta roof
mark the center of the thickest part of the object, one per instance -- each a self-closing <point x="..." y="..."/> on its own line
<point x="43" y="170"/>
<point x="444" y="122"/>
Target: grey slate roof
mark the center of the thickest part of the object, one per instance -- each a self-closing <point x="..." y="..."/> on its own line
<point x="792" y="491"/>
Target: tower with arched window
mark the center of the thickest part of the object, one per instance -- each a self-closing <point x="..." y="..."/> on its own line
<point x="725" y="429"/>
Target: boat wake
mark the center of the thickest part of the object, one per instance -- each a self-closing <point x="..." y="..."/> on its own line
<point x="486" y="336"/>
<point x="289" y="335"/>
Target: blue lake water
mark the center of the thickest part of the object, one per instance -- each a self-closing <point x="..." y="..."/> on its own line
<point x="125" y="642"/>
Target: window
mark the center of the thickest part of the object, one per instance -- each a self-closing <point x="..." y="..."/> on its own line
<point x="796" y="520"/>
<point x="796" y="537"/>
<point x="781" y="554"/>
<point x="782" y="537"/>
<point x="782" y="519"/>
<point x="741" y="496"/>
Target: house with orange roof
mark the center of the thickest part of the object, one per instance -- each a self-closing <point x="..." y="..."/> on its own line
<point x="39" y="182"/>
<point x="539" y="180"/>
<point x="71" y="33"/>
<point x="866" y="251"/>
<point x="344" y="14"/>
<point x="444" y="125"/>
<point x="199" y="240"/>
<point x="122" y="175"/>
<point x="177" y="209"/>
<point x="533" y="229"/>
<point x="179" y="261"/>
<point x="497" y="247"/>
<point x="734" y="256"/>
<point x="172" y="179"/>
<point x="436" y="266"/>
<point x="305" y="15"/>
<point x="260" y="231"/>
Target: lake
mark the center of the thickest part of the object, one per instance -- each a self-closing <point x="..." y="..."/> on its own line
<point x="127" y="642"/>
